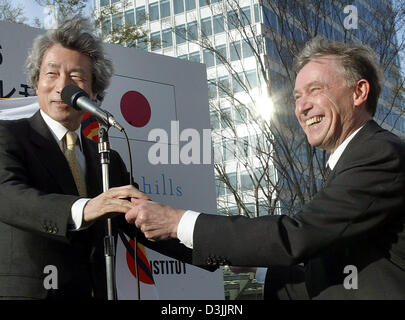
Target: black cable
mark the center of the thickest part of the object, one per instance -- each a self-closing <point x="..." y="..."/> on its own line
<point x="136" y="229"/>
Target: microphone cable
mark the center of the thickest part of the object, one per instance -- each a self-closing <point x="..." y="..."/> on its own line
<point x="136" y="229"/>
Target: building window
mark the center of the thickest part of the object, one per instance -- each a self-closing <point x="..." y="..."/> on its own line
<point x="142" y="44"/>
<point x="204" y="3"/>
<point x="223" y="86"/>
<point x="190" y="5"/>
<point x="226" y="118"/>
<point x="229" y="149"/>
<point x="245" y="17"/>
<point x="129" y="18"/>
<point x="214" y="116"/>
<point x="246" y="182"/>
<point x="256" y="11"/>
<point x="233" y="20"/>
<point x="235" y="50"/>
<point x="155" y="40"/>
<point x="194" y="56"/>
<point x="251" y="80"/>
<point x="237" y="80"/>
<point x="212" y="89"/>
<point x="221" y="54"/>
<point x="269" y="18"/>
<point x="220" y="188"/>
<point x="192" y="31"/>
<point x="206" y="28"/>
<point x="218" y="23"/>
<point x="241" y="117"/>
<point x="167" y="40"/>
<point x="246" y="48"/>
<point x="117" y="21"/>
<point x="180" y="34"/>
<point x="178" y="6"/>
<point x="233" y="181"/>
<point x="140" y="15"/>
<point x="217" y="152"/>
<point x="153" y="11"/>
<point x="104" y="3"/>
<point x="208" y="58"/>
<point x="164" y="8"/>
<point x="250" y="208"/>
<point x="106" y="28"/>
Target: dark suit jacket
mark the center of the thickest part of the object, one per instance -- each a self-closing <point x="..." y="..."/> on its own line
<point x="357" y="219"/>
<point x="37" y="191"/>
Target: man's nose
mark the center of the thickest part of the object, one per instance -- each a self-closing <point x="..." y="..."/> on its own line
<point x="62" y="82"/>
<point x="303" y="105"/>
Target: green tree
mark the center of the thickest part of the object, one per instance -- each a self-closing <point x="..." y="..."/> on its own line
<point x="10" y="12"/>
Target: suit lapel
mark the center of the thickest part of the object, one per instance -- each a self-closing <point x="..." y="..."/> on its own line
<point x="51" y="156"/>
<point x="369" y="129"/>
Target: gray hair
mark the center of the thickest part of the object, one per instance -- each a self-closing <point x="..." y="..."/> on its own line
<point x="75" y="34"/>
<point x="355" y="62"/>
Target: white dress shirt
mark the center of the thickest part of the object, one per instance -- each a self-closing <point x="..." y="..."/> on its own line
<point x="185" y="229"/>
<point x="59" y="131"/>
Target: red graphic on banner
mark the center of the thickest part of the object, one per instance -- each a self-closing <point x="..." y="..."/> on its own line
<point x="135" y="109"/>
<point x="144" y="268"/>
<point x="90" y="126"/>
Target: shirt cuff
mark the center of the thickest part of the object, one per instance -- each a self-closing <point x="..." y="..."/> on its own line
<point x="185" y="229"/>
<point x="77" y="215"/>
<point x="261" y="275"/>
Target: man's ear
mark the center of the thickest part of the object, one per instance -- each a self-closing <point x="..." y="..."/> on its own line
<point x="361" y="91"/>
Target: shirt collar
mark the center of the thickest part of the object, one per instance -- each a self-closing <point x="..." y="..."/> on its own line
<point x="334" y="157"/>
<point x="58" y="130"/>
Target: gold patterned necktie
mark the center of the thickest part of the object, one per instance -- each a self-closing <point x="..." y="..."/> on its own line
<point x="75" y="168"/>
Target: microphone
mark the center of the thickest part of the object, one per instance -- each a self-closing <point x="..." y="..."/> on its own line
<point x="78" y="99"/>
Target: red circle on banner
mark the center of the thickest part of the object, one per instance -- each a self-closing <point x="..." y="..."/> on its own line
<point x="135" y="109"/>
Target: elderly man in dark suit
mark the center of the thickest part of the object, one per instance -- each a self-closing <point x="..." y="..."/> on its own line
<point x="52" y="204"/>
<point x="349" y="241"/>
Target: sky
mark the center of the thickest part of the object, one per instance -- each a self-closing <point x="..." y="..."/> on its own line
<point x="32" y="10"/>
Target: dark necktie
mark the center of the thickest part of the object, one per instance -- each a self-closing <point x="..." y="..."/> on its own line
<point x="326" y="175"/>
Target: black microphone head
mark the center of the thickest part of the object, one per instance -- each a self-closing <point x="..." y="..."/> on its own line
<point x="71" y="93"/>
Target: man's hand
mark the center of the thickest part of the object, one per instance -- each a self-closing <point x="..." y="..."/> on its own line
<point x="157" y="221"/>
<point x="111" y="201"/>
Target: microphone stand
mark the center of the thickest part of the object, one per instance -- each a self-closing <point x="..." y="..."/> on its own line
<point x="109" y="241"/>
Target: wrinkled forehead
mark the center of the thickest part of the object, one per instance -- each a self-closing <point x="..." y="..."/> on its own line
<point x="321" y="69"/>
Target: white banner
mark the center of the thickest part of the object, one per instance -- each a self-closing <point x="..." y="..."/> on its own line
<point x="148" y="92"/>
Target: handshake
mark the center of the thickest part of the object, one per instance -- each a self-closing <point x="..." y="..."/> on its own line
<point x="157" y="221"/>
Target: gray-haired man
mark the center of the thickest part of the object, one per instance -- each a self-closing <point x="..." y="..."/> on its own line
<point x="351" y="236"/>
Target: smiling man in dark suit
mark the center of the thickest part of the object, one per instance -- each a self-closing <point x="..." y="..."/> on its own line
<point x="349" y="241"/>
<point x="52" y="204"/>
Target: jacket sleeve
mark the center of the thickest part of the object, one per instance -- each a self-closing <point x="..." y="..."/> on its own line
<point x="22" y="205"/>
<point x="363" y="197"/>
